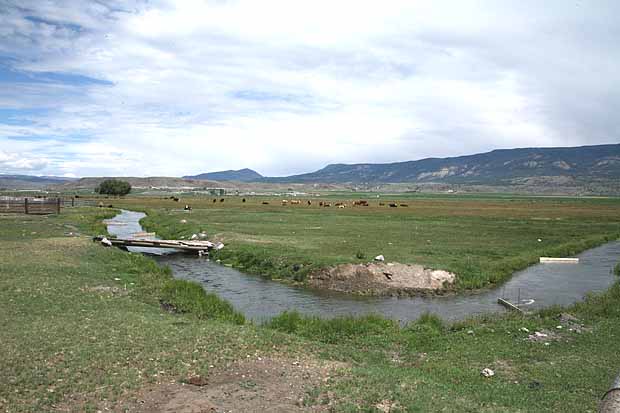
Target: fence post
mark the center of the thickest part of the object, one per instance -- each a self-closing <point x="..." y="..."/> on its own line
<point x="26" y="205"/>
<point x="58" y="205"/>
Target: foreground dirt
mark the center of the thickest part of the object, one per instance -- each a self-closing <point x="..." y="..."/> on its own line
<point x="383" y="279"/>
<point x="252" y="385"/>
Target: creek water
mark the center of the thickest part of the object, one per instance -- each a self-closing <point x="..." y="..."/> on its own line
<point x="537" y="286"/>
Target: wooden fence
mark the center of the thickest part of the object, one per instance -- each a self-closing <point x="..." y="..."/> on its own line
<point x="30" y="205"/>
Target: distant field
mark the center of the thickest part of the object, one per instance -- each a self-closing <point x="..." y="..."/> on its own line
<point x="481" y="238"/>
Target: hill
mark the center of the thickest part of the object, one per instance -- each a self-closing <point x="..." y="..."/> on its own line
<point x="241" y="175"/>
<point x="30" y="181"/>
<point x="499" y="167"/>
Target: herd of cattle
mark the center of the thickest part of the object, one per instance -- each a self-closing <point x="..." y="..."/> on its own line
<point x="284" y="202"/>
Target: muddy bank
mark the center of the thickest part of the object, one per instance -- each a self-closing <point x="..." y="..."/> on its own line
<point x="391" y="279"/>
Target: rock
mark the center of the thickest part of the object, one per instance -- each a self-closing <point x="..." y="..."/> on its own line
<point x="106" y="242"/>
<point x="202" y="235"/>
<point x="219" y="246"/>
<point x="194" y="236"/>
<point x="524" y="329"/>
<point x="379" y="258"/>
<point x="197" y="381"/>
<point x="487" y="372"/>
<point x="470" y="332"/>
<point x="183" y="221"/>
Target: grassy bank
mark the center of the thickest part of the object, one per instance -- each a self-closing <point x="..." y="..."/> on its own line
<point x="483" y="241"/>
<point x="82" y="330"/>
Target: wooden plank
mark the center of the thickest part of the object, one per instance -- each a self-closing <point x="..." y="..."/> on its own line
<point x="181" y="245"/>
<point x="509" y="305"/>
<point x="559" y="260"/>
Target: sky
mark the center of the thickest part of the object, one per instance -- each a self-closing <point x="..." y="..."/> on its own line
<point x="173" y="88"/>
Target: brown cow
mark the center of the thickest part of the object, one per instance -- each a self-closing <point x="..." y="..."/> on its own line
<point x="295" y="202"/>
<point x="284" y="202"/>
<point x="327" y="204"/>
<point x="309" y="202"/>
<point x="360" y="203"/>
<point x="221" y="199"/>
<point x="393" y="205"/>
<point x="265" y="203"/>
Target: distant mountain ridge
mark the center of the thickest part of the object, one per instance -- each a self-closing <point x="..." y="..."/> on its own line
<point x="498" y="167"/>
<point x="30" y="181"/>
<point x="241" y="175"/>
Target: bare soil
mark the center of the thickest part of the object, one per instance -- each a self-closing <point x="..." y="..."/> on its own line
<point x="383" y="279"/>
<point x="252" y="385"/>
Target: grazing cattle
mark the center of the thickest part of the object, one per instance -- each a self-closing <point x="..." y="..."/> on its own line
<point x="265" y="203"/>
<point x="187" y="208"/>
<point x="295" y="202"/>
<point x="360" y="203"/>
<point x="327" y="204"/>
<point x="381" y="204"/>
<point x="342" y="206"/>
<point x="309" y="202"/>
<point x="403" y="205"/>
<point x="221" y="199"/>
<point x="321" y="203"/>
<point x="243" y="200"/>
<point x="284" y="202"/>
<point x="393" y="205"/>
<point x="214" y="201"/>
<point x="175" y="199"/>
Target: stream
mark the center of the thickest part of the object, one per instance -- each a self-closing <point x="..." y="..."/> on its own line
<point x="259" y="299"/>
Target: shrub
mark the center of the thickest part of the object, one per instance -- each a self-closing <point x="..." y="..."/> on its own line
<point x="617" y="269"/>
<point x="113" y="187"/>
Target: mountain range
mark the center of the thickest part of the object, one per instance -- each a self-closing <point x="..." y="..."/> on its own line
<point x="498" y="167"/>
<point x="586" y="169"/>
<point x="241" y="175"/>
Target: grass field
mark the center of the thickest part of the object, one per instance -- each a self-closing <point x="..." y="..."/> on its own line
<point x="81" y="330"/>
<point x="482" y="239"/>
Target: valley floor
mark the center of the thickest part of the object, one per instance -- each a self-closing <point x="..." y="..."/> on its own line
<point x="82" y="329"/>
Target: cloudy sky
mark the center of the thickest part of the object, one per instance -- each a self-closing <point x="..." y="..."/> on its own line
<point x="171" y="88"/>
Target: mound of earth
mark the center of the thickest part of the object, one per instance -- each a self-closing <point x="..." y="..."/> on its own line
<point x="383" y="279"/>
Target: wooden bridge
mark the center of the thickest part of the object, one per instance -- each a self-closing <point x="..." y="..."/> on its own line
<point x="182" y="245"/>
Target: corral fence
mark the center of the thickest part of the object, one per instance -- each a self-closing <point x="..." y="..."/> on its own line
<point x="79" y="202"/>
<point x="28" y="205"/>
<point x="41" y="205"/>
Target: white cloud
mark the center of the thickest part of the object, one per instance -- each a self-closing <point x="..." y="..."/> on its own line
<point x="287" y="87"/>
<point x="17" y="162"/>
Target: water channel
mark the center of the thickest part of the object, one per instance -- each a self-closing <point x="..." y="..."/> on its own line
<point x="538" y="286"/>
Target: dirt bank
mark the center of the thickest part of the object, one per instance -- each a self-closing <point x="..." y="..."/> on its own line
<point x="383" y="279"/>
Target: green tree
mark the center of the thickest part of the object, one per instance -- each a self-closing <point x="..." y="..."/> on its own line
<point x="113" y="187"/>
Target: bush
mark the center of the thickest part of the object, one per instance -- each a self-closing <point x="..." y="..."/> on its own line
<point x="617" y="269"/>
<point x="113" y="187"/>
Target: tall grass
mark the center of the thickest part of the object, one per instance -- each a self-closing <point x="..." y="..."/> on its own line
<point x="190" y="297"/>
<point x="332" y="331"/>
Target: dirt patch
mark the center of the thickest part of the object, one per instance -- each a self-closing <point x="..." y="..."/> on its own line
<point x="104" y="289"/>
<point x="252" y="385"/>
<point x="383" y="279"/>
